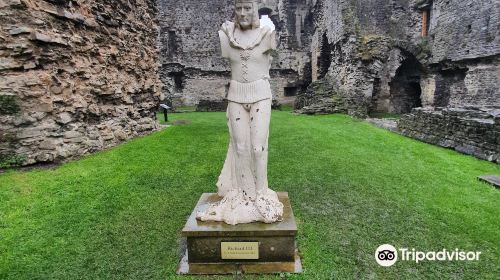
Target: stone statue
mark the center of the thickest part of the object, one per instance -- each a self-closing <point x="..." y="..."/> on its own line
<point x="242" y="183"/>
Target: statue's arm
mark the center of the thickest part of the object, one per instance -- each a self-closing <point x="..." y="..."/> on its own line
<point x="224" y="44"/>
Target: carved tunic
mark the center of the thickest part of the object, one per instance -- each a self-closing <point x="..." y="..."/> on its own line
<point x="246" y="86"/>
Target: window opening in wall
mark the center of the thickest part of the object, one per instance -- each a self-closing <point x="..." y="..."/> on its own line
<point x="172" y="42"/>
<point x="425" y="22"/>
<point x="290" y="91"/>
<point x="178" y="80"/>
<point x="425" y="9"/>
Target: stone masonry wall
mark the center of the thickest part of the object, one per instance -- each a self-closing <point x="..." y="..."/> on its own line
<point x="358" y="46"/>
<point x="473" y="131"/>
<point x="457" y="64"/>
<point x="76" y="76"/>
<point x="464" y="43"/>
<point x="192" y="67"/>
<point x="463" y="76"/>
<point x="464" y="29"/>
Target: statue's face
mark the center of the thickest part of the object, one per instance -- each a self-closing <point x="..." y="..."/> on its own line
<point x="245" y="14"/>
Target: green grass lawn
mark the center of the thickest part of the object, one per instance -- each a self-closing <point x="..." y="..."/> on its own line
<point x="118" y="214"/>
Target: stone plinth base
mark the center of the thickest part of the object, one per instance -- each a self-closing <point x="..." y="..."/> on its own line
<point x="274" y="252"/>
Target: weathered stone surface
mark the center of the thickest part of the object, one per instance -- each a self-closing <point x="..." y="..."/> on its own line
<point x="65" y="64"/>
<point x="11" y="3"/>
<point x="48" y="144"/>
<point x="375" y="52"/>
<point x="120" y="135"/>
<point x="321" y="97"/>
<point x="20" y="30"/>
<point x="473" y="131"/>
<point x="9" y="63"/>
<point x="48" y="38"/>
<point x="211" y="106"/>
<point x="44" y="107"/>
<point x="64" y="118"/>
<point x="192" y="67"/>
<point x="72" y="134"/>
<point x="29" y="133"/>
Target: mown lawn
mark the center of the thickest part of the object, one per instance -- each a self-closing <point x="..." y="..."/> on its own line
<point x="118" y="214"/>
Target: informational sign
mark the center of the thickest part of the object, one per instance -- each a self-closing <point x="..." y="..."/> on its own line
<point x="239" y="250"/>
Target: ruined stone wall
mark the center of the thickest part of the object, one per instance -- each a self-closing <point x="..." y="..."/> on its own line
<point x="189" y="32"/>
<point x="360" y="46"/>
<point x="465" y="52"/>
<point x="75" y="76"/>
<point x="290" y="69"/>
<point x="463" y="76"/>
<point x="474" y="131"/>
<point x="482" y="84"/>
<point x="192" y="67"/>
<point x="464" y="29"/>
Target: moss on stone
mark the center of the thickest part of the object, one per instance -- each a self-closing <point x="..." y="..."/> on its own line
<point x="351" y="21"/>
<point x="424" y="50"/>
<point x="11" y="160"/>
<point x="373" y="46"/>
<point x="8" y="105"/>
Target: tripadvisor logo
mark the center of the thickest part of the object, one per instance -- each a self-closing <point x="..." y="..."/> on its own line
<point x="387" y="255"/>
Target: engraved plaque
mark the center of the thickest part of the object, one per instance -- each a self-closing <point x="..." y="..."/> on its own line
<point x="239" y="250"/>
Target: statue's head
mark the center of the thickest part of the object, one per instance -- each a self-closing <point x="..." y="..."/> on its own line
<point x="247" y="14"/>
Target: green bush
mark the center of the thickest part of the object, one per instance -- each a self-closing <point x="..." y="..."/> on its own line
<point x="8" y="161"/>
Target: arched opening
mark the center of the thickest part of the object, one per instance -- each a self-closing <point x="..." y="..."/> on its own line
<point x="290" y="91"/>
<point x="397" y="90"/>
<point x="405" y="90"/>
<point x="178" y="79"/>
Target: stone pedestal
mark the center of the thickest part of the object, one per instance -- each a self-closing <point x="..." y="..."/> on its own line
<point x="253" y="247"/>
